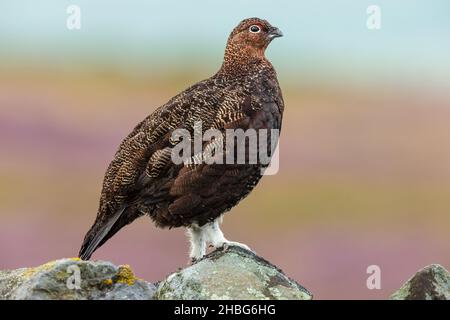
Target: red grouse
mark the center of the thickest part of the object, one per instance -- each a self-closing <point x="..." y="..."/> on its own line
<point x="143" y="179"/>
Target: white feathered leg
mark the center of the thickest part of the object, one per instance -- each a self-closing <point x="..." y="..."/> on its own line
<point x="198" y="242"/>
<point x="215" y="236"/>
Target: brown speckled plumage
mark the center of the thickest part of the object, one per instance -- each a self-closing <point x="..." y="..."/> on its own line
<point x="142" y="179"/>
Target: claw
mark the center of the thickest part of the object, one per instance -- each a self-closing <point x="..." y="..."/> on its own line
<point x="226" y="245"/>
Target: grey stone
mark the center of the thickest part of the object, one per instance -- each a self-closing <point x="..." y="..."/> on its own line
<point x="429" y="283"/>
<point x="99" y="280"/>
<point x="231" y="274"/>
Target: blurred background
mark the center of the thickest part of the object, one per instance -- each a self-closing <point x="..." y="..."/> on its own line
<point x="365" y="150"/>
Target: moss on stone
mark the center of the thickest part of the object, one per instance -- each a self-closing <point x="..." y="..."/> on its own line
<point x="29" y="272"/>
<point x="99" y="280"/>
<point x="125" y="275"/>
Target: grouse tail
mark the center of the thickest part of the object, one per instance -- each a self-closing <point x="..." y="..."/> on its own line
<point x="98" y="234"/>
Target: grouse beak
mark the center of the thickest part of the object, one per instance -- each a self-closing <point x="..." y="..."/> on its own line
<point x="275" y="33"/>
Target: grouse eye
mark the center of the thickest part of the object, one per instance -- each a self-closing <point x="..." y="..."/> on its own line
<point x="255" y="29"/>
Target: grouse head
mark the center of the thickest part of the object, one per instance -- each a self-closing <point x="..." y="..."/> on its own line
<point x="248" y="42"/>
<point x="254" y="32"/>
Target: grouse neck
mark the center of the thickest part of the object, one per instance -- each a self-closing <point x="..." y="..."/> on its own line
<point x="240" y="61"/>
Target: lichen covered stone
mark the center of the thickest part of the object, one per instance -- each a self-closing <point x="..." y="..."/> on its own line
<point x="429" y="283"/>
<point x="74" y="279"/>
<point x="228" y="275"/>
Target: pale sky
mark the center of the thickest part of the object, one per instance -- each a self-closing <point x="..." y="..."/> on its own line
<point x="328" y="36"/>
